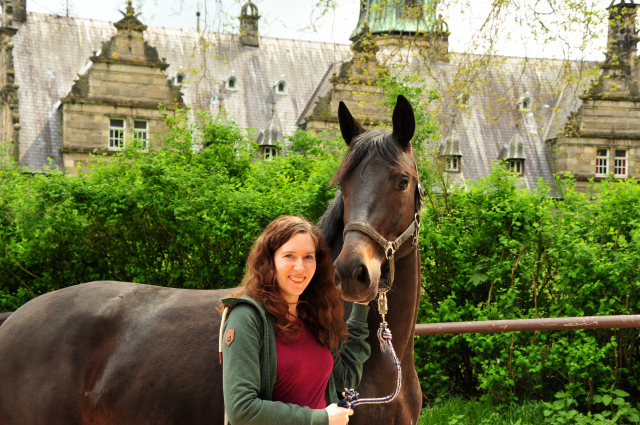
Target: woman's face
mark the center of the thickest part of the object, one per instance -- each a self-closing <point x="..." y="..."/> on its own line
<point x="295" y="265"/>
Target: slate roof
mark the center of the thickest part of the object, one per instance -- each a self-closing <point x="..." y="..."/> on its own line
<point x="50" y="51"/>
<point x="487" y="124"/>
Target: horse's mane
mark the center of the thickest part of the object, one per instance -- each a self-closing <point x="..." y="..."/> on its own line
<point x="385" y="149"/>
<point x="330" y="224"/>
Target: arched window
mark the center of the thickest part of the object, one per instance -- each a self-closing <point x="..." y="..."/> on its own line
<point x="178" y="78"/>
<point x="281" y="87"/>
<point x="231" y="83"/>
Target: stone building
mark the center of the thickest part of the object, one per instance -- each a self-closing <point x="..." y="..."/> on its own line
<point x="74" y="86"/>
<point x="116" y="99"/>
<point x="602" y="137"/>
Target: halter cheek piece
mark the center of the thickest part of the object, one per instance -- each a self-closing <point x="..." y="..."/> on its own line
<point x="384" y="334"/>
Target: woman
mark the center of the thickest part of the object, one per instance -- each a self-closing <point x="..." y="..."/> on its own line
<point x="284" y="351"/>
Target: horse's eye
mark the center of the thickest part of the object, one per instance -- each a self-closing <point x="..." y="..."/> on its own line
<point x="404" y="184"/>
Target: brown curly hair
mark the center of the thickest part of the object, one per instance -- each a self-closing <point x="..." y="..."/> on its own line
<point x="319" y="306"/>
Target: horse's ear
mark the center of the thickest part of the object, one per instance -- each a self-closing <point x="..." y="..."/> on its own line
<point x="349" y="127"/>
<point x="404" y="122"/>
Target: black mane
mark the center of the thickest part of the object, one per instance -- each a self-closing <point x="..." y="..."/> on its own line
<point x="331" y="224"/>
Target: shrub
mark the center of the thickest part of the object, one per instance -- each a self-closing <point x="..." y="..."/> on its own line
<point x="494" y="252"/>
<point x="176" y="216"/>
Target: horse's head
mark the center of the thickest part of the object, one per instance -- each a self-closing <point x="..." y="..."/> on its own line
<point x="379" y="183"/>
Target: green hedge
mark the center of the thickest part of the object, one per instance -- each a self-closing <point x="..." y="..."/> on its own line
<point x="174" y="216"/>
<point x="496" y="252"/>
<point x="182" y="217"/>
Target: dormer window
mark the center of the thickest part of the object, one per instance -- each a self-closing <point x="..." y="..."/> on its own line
<point x="524" y="104"/>
<point x="453" y="164"/>
<point x="514" y="154"/>
<point x="231" y="84"/>
<point x="463" y="99"/>
<point x="450" y="151"/>
<point x="281" y="87"/>
<point x="517" y="166"/>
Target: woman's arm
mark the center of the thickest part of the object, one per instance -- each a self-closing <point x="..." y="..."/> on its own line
<point x="242" y="378"/>
<point x="347" y="367"/>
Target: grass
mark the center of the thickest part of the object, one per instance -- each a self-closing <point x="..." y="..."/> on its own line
<point x="457" y="411"/>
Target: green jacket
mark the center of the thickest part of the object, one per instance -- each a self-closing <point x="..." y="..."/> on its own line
<point x="249" y="367"/>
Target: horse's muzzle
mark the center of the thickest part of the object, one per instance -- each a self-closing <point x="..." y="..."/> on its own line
<point x="356" y="276"/>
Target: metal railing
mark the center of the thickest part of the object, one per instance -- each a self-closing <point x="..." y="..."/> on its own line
<point x="518" y="325"/>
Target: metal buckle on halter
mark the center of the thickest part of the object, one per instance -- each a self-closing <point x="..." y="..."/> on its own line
<point x="388" y="248"/>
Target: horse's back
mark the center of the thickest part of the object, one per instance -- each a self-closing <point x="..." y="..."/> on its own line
<point x="112" y="352"/>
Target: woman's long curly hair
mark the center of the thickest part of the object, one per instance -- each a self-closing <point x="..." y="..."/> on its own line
<point x="319" y="306"/>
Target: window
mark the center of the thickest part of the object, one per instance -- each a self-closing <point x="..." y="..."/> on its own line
<point x="525" y="103"/>
<point x="620" y="163"/>
<point x="463" y="99"/>
<point x="141" y="133"/>
<point x="453" y="163"/>
<point x="270" y="152"/>
<point x="602" y="162"/>
<point x="282" y="87"/>
<point x="178" y="78"/>
<point x="516" y="165"/>
<point x="116" y="133"/>
<point x="231" y="83"/>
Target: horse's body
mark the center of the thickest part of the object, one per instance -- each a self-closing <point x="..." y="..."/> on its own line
<point x="112" y="353"/>
<point x="3" y="317"/>
<point x="120" y="353"/>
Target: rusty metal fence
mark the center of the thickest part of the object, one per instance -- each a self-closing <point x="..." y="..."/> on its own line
<point x="518" y="325"/>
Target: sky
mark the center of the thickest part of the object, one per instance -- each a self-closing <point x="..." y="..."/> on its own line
<point x="298" y="19"/>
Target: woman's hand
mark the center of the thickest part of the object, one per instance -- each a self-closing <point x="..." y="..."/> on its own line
<point x="338" y="415"/>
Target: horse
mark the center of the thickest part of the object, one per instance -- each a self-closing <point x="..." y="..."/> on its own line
<point x="379" y="186"/>
<point x="3" y="317"/>
<point x="120" y="353"/>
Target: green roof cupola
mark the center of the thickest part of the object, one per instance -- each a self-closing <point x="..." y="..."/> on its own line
<point x="390" y="17"/>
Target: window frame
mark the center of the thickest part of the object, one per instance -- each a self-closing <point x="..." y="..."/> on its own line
<point x="285" y="88"/>
<point x="269" y="153"/>
<point x="228" y="83"/>
<point x="517" y="162"/>
<point x="624" y="166"/>
<point x="112" y="139"/>
<point x="136" y="131"/>
<point x="602" y="162"/>
<point x="448" y="164"/>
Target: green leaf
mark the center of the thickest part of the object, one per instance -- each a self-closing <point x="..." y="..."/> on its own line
<point x="477" y="278"/>
<point x="606" y="399"/>
<point x="621" y="393"/>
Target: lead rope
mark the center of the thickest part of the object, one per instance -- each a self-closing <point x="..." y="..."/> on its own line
<point x="351" y="399"/>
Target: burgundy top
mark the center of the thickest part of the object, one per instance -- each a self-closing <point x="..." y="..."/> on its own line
<point x="304" y="368"/>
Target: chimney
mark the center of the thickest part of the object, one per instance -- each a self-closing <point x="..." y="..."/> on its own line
<point x="13" y="10"/>
<point x="249" y="25"/>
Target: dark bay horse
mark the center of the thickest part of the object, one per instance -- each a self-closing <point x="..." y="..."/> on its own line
<point x="120" y="353"/>
<point x="379" y="187"/>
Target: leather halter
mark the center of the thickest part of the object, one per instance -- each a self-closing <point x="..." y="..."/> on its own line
<point x="390" y="247"/>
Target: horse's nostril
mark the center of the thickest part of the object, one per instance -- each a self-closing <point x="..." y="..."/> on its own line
<point x="362" y="276"/>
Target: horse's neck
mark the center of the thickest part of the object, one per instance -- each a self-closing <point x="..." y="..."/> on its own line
<point x="404" y="299"/>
